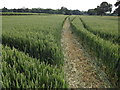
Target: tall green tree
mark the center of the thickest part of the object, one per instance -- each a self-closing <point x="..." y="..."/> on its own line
<point x="117" y="4"/>
<point x="105" y="7"/>
<point x="4" y="9"/>
<point x="63" y="10"/>
<point x="101" y="10"/>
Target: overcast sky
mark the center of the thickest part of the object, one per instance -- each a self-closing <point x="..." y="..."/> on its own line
<point x="54" y="4"/>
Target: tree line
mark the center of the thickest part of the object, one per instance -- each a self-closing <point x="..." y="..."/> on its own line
<point x="63" y="10"/>
<point x="103" y="9"/>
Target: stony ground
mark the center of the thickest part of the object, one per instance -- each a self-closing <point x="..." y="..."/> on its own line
<point x="80" y="71"/>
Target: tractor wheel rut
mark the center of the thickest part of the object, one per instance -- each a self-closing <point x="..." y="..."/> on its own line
<point x="79" y="70"/>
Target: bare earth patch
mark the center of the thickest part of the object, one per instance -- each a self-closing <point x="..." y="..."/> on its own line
<point x="80" y="72"/>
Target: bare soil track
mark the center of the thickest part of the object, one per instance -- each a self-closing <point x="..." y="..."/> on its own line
<point x="80" y="72"/>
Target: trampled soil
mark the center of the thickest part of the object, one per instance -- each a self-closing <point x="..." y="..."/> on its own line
<point x="80" y="71"/>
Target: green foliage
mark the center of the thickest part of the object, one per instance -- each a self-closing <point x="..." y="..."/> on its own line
<point x="39" y="36"/>
<point x="17" y="13"/>
<point x="34" y="11"/>
<point x="21" y="71"/>
<point x="39" y="65"/>
<point x="105" y="7"/>
<point x="105" y="27"/>
<point x="105" y="50"/>
<point x="72" y="17"/>
<point x="101" y="10"/>
<point x="117" y="10"/>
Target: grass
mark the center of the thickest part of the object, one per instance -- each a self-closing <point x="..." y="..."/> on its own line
<point x="39" y="36"/>
<point x="38" y="60"/>
<point x="32" y="54"/>
<point x="106" y="51"/>
<point x="21" y="71"/>
<point x="105" y="27"/>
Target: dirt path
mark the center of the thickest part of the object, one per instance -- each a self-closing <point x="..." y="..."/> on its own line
<point x="80" y="72"/>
